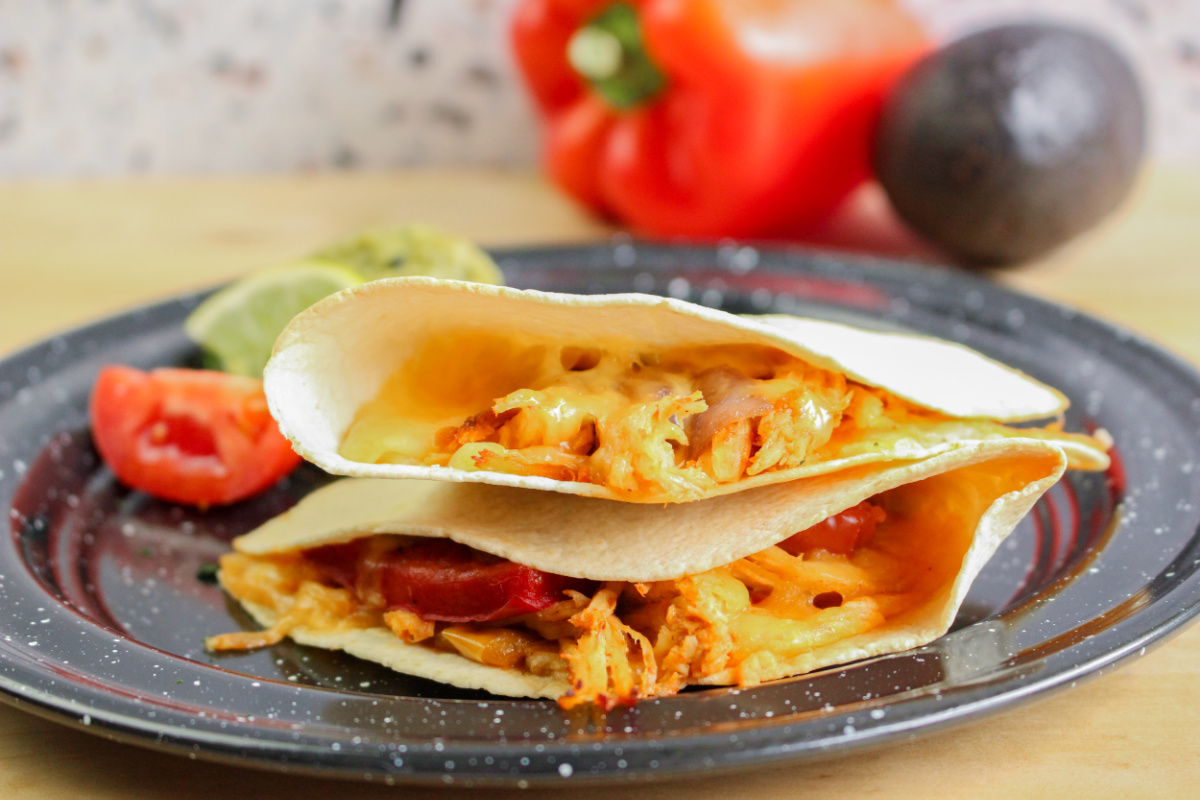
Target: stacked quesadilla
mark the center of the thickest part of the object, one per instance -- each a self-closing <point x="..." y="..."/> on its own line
<point x="601" y="499"/>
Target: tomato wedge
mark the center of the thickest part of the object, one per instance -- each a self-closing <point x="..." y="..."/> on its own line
<point x="445" y="581"/>
<point x="191" y="436"/>
<point x="840" y="533"/>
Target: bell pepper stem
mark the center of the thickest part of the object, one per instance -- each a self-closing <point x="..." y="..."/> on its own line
<point x="609" y="53"/>
<point x="594" y="53"/>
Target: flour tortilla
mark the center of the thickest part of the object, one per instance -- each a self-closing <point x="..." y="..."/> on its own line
<point x="606" y="540"/>
<point x="381" y="646"/>
<point x="336" y="356"/>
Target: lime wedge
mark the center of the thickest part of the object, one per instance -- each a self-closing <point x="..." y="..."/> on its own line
<point x="238" y="326"/>
<point x="412" y="250"/>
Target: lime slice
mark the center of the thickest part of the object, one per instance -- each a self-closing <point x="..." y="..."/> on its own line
<point x="412" y="250"/>
<point x="238" y="326"/>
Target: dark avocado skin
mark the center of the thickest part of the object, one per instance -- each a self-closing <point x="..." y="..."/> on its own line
<point x="1011" y="141"/>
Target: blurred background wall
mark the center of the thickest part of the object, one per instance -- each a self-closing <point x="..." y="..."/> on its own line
<point x="106" y="87"/>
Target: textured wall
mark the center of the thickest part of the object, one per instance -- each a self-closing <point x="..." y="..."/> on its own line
<point x="183" y="86"/>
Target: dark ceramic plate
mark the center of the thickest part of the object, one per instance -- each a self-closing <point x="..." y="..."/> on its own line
<point x="102" y="614"/>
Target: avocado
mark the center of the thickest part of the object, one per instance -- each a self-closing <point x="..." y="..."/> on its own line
<point x="1007" y="143"/>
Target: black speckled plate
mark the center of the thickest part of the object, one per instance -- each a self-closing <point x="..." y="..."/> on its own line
<point x="102" y="615"/>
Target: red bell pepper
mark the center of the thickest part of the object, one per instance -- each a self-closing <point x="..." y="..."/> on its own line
<point x="712" y="118"/>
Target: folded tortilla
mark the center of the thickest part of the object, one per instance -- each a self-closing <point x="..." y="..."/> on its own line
<point x="744" y="610"/>
<point x="629" y="397"/>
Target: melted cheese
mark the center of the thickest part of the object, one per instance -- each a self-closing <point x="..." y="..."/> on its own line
<point x="740" y="623"/>
<point x="615" y="416"/>
<point x="292" y="588"/>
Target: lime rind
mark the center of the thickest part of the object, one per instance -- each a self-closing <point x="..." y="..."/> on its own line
<point x="237" y="327"/>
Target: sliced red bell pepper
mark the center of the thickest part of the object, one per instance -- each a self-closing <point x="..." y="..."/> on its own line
<point x="841" y="533"/>
<point x="712" y="118"/>
<point x="438" y="579"/>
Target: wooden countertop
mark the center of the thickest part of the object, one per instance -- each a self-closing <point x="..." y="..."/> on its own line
<point x="71" y="252"/>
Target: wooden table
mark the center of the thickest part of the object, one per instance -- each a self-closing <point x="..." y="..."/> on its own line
<point x="71" y="252"/>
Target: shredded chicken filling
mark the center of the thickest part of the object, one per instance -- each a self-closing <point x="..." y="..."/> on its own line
<point x="738" y="624"/>
<point x="673" y="425"/>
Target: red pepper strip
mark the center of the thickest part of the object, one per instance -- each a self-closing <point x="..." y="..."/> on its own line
<point x="445" y="581"/>
<point x="338" y="562"/>
<point x="841" y="533"/>
<point x="736" y="117"/>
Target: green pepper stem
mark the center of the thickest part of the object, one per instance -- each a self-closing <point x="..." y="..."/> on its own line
<point x="594" y="53"/>
<point x="609" y="53"/>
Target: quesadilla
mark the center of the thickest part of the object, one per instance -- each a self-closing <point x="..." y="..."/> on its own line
<point x="627" y="397"/>
<point x="545" y="594"/>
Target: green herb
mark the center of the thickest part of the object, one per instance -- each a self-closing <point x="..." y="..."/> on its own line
<point x="207" y="573"/>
